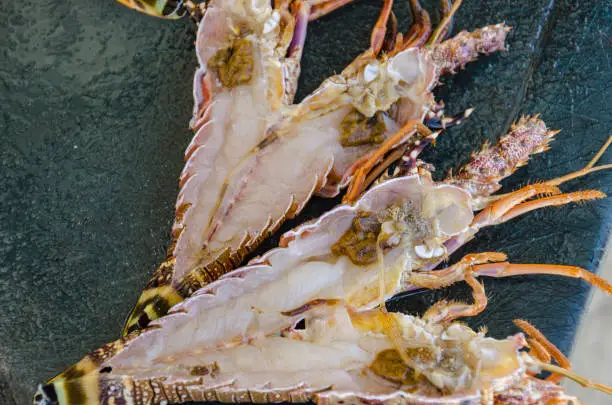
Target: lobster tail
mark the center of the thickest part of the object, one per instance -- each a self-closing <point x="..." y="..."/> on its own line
<point x="155" y="301"/>
<point x="169" y="9"/>
<point x="99" y="388"/>
<point x="81" y="391"/>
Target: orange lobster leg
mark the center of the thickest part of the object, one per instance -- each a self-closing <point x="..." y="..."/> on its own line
<point x="377" y="37"/>
<point x="442" y="29"/>
<point x="564" y="368"/>
<point x="421" y="29"/>
<point x="444" y="311"/>
<point x="448" y="311"/>
<point x="538" y="350"/>
<point x="455" y="273"/>
<point x="322" y="8"/>
<point x="392" y="37"/>
<point x="556" y="200"/>
<point x="380" y="168"/>
<point x="492" y="214"/>
<point x="358" y="183"/>
<point x="542" y="347"/>
<point x="505" y="269"/>
<point x="494" y="264"/>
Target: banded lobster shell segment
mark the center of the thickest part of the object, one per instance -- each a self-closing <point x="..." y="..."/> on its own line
<point x="170" y="9"/>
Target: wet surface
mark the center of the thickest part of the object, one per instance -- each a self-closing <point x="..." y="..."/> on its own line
<point x="95" y="104"/>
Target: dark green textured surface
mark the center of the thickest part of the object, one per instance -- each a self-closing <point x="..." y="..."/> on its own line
<point x="95" y="103"/>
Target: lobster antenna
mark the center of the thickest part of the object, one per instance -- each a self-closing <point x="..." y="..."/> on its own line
<point x="585" y="382"/>
<point x="589" y="168"/>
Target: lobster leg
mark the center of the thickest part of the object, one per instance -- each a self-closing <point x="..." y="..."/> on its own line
<point x="543" y="348"/>
<point x="321" y="8"/>
<point x="435" y="122"/>
<point x="379" y="32"/>
<point x="445" y="311"/>
<point x="448" y="311"/>
<point x="506" y="269"/>
<point x="447" y="8"/>
<point x="513" y="205"/>
<point x="392" y="37"/>
<point x="558" y="372"/>
<point x="408" y="156"/>
<point x="556" y="200"/>
<point x="408" y="153"/>
<point x="494" y="213"/>
<point x="493" y="264"/>
<point x="539" y="351"/>
<point x="379" y="169"/>
<point x="442" y="29"/>
<point x="438" y="121"/>
<point x="421" y="29"/>
<point x="455" y="273"/>
<point x="358" y="183"/>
